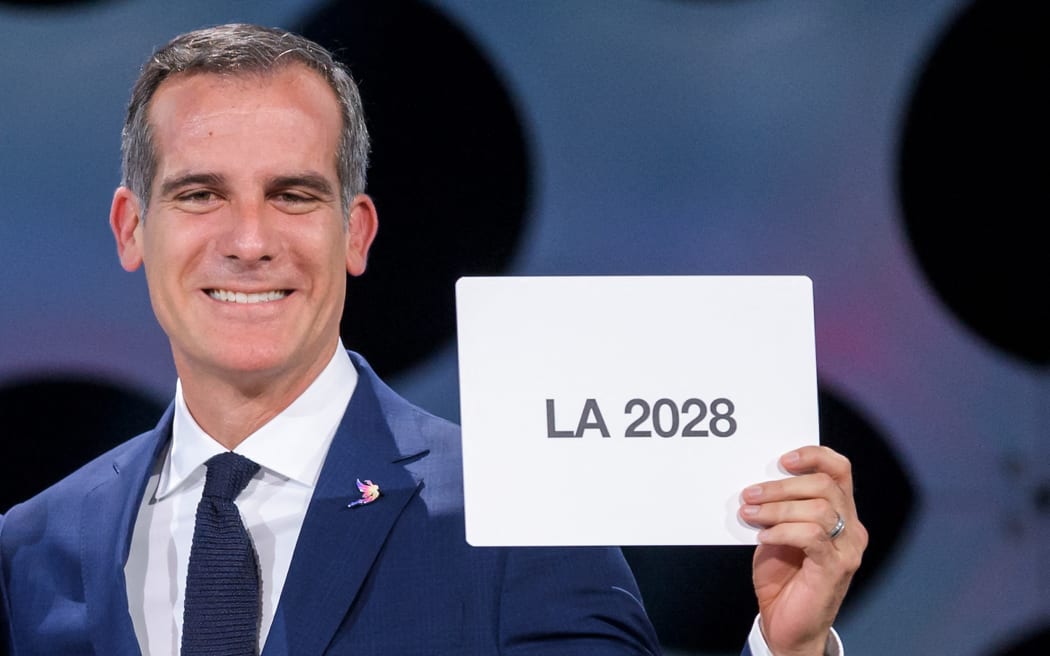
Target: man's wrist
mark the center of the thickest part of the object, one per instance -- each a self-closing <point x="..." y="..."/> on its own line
<point x="757" y="642"/>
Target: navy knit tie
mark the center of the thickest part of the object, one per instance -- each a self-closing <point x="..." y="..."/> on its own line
<point x="223" y="601"/>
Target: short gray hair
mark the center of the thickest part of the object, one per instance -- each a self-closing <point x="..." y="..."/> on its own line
<point x="240" y="49"/>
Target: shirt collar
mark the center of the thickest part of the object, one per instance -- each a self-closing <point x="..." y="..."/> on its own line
<point x="292" y="445"/>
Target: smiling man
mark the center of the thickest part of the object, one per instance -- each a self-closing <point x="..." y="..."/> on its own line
<point x="288" y="501"/>
<point x="248" y="239"/>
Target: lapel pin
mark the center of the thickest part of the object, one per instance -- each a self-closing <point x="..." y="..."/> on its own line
<point x="369" y="493"/>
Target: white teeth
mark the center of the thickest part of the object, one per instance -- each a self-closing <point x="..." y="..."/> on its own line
<point x="241" y="297"/>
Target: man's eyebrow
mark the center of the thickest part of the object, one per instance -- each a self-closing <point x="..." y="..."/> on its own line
<point x="312" y="181"/>
<point x="188" y="179"/>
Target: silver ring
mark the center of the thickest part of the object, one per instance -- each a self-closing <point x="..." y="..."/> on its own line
<point x="840" y="526"/>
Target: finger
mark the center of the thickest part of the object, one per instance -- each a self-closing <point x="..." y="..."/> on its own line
<point x="798" y="488"/>
<point x="816" y="511"/>
<point x="820" y="459"/>
<point x="843" y="552"/>
<point x="801" y="535"/>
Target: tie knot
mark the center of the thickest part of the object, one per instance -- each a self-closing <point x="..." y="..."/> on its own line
<point x="228" y="475"/>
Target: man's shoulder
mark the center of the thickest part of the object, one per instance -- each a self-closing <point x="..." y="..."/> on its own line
<point x="429" y="445"/>
<point x="417" y="431"/>
<point x="406" y="418"/>
<point x="68" y="491"/>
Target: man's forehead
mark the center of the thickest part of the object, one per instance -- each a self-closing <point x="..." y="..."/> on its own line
<point x="182" y="105"/>
<point x="182" y="96"/>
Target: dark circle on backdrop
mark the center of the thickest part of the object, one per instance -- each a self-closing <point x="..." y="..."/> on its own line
<point x="701" y="599"/>
<point x="972" y="172"/>
<point x="1036" y="643"/>
<point x="56" y="424"/>
<point x="449" y="172"/>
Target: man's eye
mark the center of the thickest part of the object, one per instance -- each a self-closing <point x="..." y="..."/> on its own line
<point x="288" y="197"/>
<point x="293" y="202"/>
<point x="201" y="196"/>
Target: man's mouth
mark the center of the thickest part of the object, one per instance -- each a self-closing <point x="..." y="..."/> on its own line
<point x="227" y="296"/>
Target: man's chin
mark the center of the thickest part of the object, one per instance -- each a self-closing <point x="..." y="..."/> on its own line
<point x="238" y="363"/>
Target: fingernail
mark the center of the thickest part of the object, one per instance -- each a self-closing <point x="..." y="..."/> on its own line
<point x="750" y="511"/>
<point x="792" y="458"/>
<point x="754" y="492"/>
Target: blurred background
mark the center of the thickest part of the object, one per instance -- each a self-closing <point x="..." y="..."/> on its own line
<point x="893" y="151"/>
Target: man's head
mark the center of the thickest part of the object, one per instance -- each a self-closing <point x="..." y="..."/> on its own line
<point x="255" y="214"/>
<point x="241" y="50"/>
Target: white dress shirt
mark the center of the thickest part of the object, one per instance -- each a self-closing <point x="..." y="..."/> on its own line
<point x="290" y="450"/>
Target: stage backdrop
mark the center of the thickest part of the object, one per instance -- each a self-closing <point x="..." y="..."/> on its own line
<point x="893" y="151"/>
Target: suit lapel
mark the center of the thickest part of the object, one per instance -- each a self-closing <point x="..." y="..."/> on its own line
<point x="107" y="519"/>
<point x="338" y="545"/>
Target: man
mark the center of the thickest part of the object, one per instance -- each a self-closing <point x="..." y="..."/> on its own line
<point x="243" y="199"/>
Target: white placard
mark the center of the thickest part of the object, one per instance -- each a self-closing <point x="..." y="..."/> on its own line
<point x="629" y="410"/>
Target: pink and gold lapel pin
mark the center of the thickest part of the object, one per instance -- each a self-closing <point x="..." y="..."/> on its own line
<point x="369" y="493"/>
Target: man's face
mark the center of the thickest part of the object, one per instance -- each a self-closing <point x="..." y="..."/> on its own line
<point x="244" y="243"/>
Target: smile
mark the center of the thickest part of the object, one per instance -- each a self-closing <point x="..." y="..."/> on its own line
<point x="227" y="296"/>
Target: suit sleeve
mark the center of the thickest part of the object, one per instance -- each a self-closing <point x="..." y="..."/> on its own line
<point x="582" y="601"/>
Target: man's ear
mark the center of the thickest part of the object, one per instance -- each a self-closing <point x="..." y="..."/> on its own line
<point x="125" y="219"/>
<point x="361" y="231"/>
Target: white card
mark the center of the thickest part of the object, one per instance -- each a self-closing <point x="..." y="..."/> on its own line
<point x="629" y="410"/>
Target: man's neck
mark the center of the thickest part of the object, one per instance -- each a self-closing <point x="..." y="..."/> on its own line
<point x="230" y="409"/>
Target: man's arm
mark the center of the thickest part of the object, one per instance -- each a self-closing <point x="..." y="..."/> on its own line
<point x="581" y="601"/>
<point x="801" y="570"/>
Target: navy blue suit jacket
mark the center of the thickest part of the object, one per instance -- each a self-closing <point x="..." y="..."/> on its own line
<point x="391" y="578"/>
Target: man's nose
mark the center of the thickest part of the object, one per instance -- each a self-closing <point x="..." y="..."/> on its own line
<point x="251" y="235"/>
